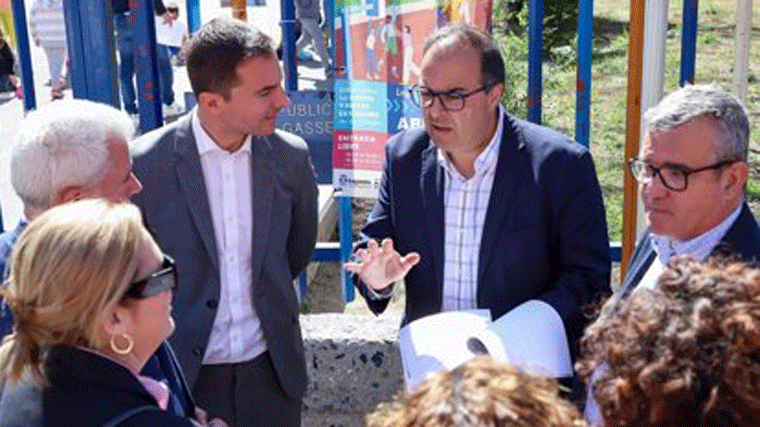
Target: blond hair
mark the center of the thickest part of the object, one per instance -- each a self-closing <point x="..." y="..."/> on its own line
<point x="69" y="267"/>
<point x="480" y="393"/>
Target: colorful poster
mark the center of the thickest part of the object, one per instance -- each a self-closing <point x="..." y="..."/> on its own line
<point x="366" y="115"/>
<point x="378" y="50"/>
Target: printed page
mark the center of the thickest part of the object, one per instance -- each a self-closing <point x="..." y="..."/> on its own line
<point x="438" y="343"/>
<point x="532" y="337"/>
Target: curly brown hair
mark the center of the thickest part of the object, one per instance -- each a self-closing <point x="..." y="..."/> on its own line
<point x="479" y="393"/>
<point x="684" y="354"/>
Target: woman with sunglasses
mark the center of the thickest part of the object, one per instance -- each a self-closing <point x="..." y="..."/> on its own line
<point x="91" y="297"/>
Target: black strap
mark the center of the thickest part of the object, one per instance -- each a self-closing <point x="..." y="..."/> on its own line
<point x="115" y="421"/>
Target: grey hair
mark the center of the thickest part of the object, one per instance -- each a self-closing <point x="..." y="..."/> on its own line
<point x="64" y="144"/>
<point x="692" y="101"/>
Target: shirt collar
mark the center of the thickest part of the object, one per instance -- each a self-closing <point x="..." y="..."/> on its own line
<point x="486" y="159"/>
<point x="699" y="247"/>
<point x="206" y="144"/>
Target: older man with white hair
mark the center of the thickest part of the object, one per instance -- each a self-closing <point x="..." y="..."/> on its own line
<point x="70" y="150"/>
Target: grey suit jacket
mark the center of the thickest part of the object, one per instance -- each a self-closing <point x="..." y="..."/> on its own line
<point x="175" y="207"/>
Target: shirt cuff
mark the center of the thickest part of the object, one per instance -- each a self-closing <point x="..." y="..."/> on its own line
<point x="384" y="293"/>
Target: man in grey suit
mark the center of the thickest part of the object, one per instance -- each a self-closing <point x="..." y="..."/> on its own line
<point x="234" y="201"/>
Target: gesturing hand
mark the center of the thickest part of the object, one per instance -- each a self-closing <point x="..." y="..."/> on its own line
<point x="380" y="265"/>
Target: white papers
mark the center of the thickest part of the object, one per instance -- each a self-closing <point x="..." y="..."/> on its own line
<point x="530" y="336"/>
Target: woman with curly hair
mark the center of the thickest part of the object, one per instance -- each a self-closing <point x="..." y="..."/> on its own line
<point x="480" y="393"/>
<point x="684" y="354"/>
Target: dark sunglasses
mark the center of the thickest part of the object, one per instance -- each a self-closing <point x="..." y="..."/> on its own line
<point x="163" y="279"/>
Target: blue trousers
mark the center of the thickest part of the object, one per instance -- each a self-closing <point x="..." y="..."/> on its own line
<point x="125" y="45"/>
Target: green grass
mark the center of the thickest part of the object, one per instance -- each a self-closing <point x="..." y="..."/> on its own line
<point x="714" y="64"/>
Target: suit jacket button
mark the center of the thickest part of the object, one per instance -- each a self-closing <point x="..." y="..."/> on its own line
<point x="212" y="304"/>
<point x="198" y="351"/>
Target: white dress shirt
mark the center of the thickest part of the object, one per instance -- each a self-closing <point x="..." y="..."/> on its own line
<point x="236" y="335"/>
<point x="699" y="247"/>
<point x="465" y="205"/>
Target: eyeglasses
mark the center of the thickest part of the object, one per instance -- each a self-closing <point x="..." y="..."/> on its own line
<point x="172" y="10"/>
<point x="451" y="100"/>
<point x="674" y="177"/>
<point x="163" y="279"/>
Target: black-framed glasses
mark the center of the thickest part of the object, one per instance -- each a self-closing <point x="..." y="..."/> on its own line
<point x="674" y="177"/>
<point x="451" y="100"/>
<point x="163" y="279"/>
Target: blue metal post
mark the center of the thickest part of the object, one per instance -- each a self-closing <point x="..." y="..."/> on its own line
<point x="89" y="31"/>
<point x="583" y="81"/>
<point x="345" y="26"/>
<point x="289" y="57"/>
<point x="688" y="41"/>
<point x="146" y="64"/>
<point x="330" y="20"/>
<point x="193" y="16"/>
<point x="345" y="221"/>
<point x="24" y="54"/>
<point x="535" y="46"/>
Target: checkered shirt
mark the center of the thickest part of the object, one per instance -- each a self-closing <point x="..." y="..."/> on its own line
<point x="465" y="205"/>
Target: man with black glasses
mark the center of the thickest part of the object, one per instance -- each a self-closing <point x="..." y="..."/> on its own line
<point x="691" y="171"/>
<point x="692" y="168"/>
<point x="489" y="210"/>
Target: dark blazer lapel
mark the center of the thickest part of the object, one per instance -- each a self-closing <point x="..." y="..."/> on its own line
<point x="262" y="194"/>
<point x="432" y="181"/>
<point x="508" y="169"/>
<point x="190" y="177"/>
<point x="641" y="260"/>
<point x="742" y="239"/>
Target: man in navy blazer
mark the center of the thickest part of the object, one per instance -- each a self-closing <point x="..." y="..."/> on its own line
<point x="489" y="210"/>
<point x="234" y="202"/>
<point x="692" y="169"/>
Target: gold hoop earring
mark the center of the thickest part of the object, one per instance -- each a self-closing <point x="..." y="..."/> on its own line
<point x="122" y="351"/>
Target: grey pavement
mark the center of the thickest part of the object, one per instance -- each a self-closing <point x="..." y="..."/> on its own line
<point x="266" y="18"/>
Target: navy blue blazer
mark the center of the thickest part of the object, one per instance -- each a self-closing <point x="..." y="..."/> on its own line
<point x="742" y="240"/>
<point x="544" y="237"/>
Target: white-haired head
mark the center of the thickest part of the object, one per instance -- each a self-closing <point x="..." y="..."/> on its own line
<point x="64" y="145"/>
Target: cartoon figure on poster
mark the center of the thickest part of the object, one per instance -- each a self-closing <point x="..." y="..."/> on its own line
<point x="389" y="39"/>
<point x="372" y="68"/>
<point x="408" y="51"/>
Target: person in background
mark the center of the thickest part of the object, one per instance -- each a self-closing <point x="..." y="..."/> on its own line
<point x="91" y="297"/>
<point x="125" y="44"/>
<point x="71" y="150"/>
<point x="234" y="201"/>
<point x="9" y="83"/>
<point x="684" y="353"/>
<point x="177" y="36"/>
<point x="48" y="29"/>
<point x="170" y="33"/>
<point x="307" y="11"/>
<point x="479" y="393"/>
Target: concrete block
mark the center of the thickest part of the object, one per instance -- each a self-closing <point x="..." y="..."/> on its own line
<point x="353" y="364"/>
